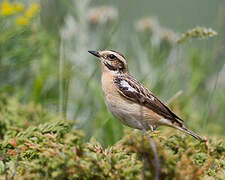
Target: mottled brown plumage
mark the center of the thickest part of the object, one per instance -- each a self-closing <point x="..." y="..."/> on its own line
<point x="129" y="101"/>
<point x="144" y="97"/>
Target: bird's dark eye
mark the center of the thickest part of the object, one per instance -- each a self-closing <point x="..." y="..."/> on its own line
<point x="111" y="56"/>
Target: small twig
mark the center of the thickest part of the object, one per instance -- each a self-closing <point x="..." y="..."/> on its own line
<point x="175" y="96"/>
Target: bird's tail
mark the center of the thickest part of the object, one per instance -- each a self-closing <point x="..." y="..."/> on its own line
<point x="184" y="129"/>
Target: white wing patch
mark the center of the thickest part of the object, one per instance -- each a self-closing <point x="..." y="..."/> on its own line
<point x="125" y="84"/>
<point x="152" y="98"/>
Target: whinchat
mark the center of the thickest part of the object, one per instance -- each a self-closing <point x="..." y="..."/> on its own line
<point x="129" y="101"/>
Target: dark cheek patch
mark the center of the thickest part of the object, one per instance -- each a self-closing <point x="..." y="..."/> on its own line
<point x="119" y="65"/>
<point x="110" y="67"/>
<point x="115" y="65"/>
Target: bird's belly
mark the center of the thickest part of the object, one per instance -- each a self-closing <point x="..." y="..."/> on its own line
<point x="127" y="112"/>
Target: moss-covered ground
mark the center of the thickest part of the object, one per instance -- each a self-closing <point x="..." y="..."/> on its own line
<point x="38" y="145"/>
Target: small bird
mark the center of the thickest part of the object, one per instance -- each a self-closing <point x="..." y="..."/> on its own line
<point x="129" y="101"/>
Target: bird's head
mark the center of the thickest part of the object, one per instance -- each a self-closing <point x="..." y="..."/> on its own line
<point x="111" y="61"/>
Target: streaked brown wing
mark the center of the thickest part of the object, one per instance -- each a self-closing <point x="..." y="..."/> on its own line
<point x="134" y="91"/>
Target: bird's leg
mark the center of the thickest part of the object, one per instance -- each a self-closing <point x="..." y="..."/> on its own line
<point x="151" y="128"/>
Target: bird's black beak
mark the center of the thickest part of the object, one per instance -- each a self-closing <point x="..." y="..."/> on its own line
<point x="95" y="53"/>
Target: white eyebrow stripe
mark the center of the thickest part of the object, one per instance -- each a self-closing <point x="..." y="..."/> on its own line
<point x="117" y="55"/>
<point x="125" y="84"/>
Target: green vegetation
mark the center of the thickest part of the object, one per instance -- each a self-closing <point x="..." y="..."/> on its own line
<point x="53" y="120"/>
<point x="55" y="150"/>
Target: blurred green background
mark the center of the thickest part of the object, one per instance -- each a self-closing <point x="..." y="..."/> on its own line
<point x="44" y="58"/>
<point x="179" y="15"/>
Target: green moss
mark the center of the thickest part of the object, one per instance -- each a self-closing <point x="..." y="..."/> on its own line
<point x="55" y="150"/>
<point x="199" y="158"/>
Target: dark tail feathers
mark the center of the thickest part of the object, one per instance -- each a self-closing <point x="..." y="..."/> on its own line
<point x="184" y="129"/>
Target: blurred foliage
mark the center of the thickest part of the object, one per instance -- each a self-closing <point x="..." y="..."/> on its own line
<point x="53" y="11"/>
<point x="44" y="61"/>
<point x="48" y="63"/>
<point x="55" y="150"/>
<point x="26" y="53"/>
